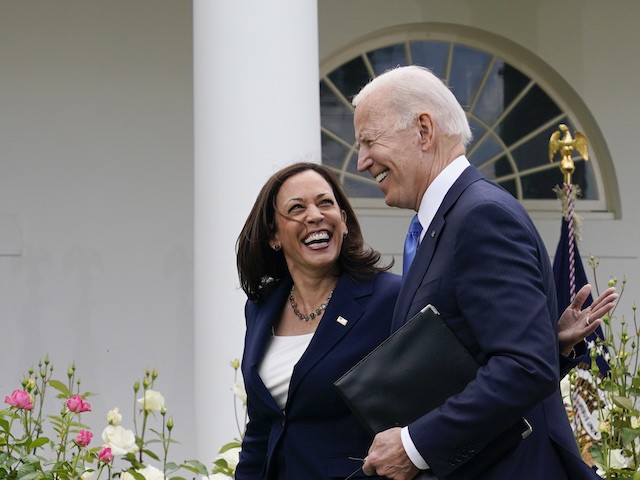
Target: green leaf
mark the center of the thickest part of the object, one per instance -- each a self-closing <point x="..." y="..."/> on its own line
<point x="199" y="467"/>
<point x="61" y="387"/>
<point x="625" y="403"/>
<point x="629" y="434"/>
<point x="136" y="475"/>
<point x="151" y="454"/>
<point x="39" y="442"/>
<point x="229" y="446"/>
<point x="596" y="453"/>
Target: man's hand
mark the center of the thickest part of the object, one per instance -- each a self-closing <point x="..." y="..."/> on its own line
<point x="387" y="457"/>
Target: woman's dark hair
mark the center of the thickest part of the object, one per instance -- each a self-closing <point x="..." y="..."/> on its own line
<point x="260" y="268"/>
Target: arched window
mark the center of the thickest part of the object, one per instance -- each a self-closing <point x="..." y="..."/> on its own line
<point x="513" y="100"/>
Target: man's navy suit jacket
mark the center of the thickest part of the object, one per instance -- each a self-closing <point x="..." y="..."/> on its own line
<point x="483" y="265"/>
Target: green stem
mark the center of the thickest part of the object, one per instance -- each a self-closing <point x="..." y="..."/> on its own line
<point x="144" y="427"/>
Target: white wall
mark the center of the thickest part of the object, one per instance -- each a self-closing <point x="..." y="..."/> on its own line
<point x="590" y="44"/>
<point x="96" y="176"/>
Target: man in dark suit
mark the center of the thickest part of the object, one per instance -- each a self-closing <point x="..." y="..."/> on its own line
<point x="483" y="265"/>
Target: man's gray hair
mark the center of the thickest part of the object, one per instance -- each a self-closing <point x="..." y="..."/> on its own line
<point x="413" y="90"/>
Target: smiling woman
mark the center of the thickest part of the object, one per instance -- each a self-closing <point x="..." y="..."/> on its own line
<point x="317" y="303"/>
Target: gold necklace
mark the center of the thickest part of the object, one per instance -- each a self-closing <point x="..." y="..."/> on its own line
<point x="317" y="313"/>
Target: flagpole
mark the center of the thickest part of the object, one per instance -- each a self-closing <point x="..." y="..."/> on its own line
<point x="583" y="391"/>
<point x="562" y="141"/>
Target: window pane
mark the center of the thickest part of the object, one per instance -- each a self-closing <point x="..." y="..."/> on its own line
<point x="485" y="151"/>
<point x="385" y="58"/>
<point x="492" y="100"/>
<point x="540" y="185"/>
<point x="350" y="77"/>
<point x="533" y="110"/>
<point x="334" y="114"/>
<point x="432" y="55"/>
<point x="333" y="153"/>
<point x="468" y="68"/>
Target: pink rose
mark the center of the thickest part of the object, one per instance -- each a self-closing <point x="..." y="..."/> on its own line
<point x="77" y="405"/>
<point x="20" y="399"/>
<point x="83" y="438"/>
<point x="105" y="455"/>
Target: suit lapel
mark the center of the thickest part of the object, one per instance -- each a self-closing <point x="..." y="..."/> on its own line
<point x="426" y="249"/>
<point x="265" y="322"/>
<point x="344" y="307"/>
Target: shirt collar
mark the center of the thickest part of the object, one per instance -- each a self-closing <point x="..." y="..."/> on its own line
<point x="435" y="193"/>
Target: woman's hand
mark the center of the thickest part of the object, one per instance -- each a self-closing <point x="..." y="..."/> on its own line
<point x="575" y="324"/>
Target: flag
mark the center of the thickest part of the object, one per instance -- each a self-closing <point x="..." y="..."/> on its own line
<point x="563" y="278"/>
<point x="583" y="393"/>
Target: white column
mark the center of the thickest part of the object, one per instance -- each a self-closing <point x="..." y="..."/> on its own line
<point x="256" y="106"/>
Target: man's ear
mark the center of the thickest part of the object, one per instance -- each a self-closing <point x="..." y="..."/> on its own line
<point x="425" y="125"/>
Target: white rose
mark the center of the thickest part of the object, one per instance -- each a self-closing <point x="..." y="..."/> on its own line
<point x="152" y="401"/>
<point x="231" y="456"/>
<point x="119" y="439"/>
<point x="617" y="459"/>
<point x="114" y="417"/>
<point x="86" y="476"/>
<point x="565" y="389"/>
<point x="149" y="473"/>
<point x="240" y="393"/>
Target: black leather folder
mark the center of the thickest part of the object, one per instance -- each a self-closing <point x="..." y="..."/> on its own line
<point x="412" y="372"/>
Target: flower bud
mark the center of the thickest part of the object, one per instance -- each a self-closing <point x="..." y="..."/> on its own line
<point x="235" y="364"/>
<point x="105" y="455"/>
<point x="114" y="417"/>
<point x="136" y="386"/>
<point x="170" y="424"/>
<point x="83" y="438"/>
<point x="30" y="384"/>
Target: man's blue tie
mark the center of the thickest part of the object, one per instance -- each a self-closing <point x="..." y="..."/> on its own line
<point x="411" y="244"/>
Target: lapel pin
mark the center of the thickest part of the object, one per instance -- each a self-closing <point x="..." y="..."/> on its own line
<point x="433" y="233"/>
<point x="342" y="321"/>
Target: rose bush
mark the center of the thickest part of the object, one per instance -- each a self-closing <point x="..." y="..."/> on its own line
<point x="603" y="403"/>
<point x="31" y="449"/>
<point x="224" y="465"/>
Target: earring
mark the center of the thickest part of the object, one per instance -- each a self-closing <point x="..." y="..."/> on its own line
<point x="276" y="247"/>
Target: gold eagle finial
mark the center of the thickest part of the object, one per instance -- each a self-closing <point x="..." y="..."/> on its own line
<point x="561" y="140"/>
